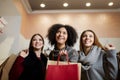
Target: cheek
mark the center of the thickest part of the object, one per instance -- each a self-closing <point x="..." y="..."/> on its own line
<point x="92" y="40"/>
<point x="56" y="36"/>
<point x="83" y="39"/>
<point x="42" y="43"/>
<point x="66" y="36"/>
<point x="33" y="43"/>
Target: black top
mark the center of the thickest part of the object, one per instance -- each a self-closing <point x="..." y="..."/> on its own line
<point x="34" y="68"/>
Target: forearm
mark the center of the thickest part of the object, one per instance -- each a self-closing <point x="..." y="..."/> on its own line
<point x="112" y="64"/>
<point x="16" y="69"/>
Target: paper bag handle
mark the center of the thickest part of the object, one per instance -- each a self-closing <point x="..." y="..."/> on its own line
<point x="59" y="59"/>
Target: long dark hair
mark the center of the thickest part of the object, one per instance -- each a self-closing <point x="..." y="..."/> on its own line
<point x="34" y="68"/>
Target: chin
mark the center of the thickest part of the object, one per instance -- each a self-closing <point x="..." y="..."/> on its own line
<point x="88" y="45"/>
<point x="38" y="48"/>
<point x="61" y="42"/>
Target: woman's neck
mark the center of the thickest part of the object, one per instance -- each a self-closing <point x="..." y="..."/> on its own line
<point x="87" y="50"/>
<point x="60" y="46"/>
<point x="37" y="52"/>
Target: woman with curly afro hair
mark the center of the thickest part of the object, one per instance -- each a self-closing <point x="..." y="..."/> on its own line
<point x="63" y="38"/>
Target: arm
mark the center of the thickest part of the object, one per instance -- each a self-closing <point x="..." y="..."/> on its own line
<point x="73" y="56"/>
<point x="111" y="63"/>
<point x="16" y="69"/>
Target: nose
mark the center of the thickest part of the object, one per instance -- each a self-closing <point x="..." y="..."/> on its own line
<point x="87" y="37"/>
<point x="37" y="40"/>
<point x="61" y="34"/>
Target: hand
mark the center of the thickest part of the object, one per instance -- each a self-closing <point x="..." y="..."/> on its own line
<point x="63" y="52"/>
<point x="109" y="47"/>
<point x="24" y="53"/>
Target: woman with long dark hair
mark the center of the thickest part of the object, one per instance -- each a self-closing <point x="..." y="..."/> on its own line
<point x="31" y="63"/>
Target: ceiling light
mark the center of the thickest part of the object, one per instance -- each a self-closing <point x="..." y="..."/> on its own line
<point x="42" y="5"/>
<point x="88" y="4"/>
<point x="110" y="4"/>
<point x="65" y="4"/>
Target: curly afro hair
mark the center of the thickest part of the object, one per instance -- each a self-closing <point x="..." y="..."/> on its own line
<point x="72" y="34"/>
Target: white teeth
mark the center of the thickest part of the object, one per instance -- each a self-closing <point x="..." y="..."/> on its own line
<point x="60" y="38"/>
<point x="87" y="42"/>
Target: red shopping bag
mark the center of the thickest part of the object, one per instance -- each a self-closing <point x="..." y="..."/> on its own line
<point x="57" y="70"/>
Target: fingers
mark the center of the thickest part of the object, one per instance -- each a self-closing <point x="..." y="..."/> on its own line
<point x="26" y="50"/>
<point x="109" y="47"/>
<point x="24" y="53"/>
<point x="63" y="52"/>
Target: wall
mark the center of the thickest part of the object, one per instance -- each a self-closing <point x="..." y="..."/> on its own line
<point x="105" y="24"/>
<point x="9" y="39"/>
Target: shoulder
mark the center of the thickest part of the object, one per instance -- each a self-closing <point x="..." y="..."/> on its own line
<point x="43" y="56"/>
<point x="71" y="49"/>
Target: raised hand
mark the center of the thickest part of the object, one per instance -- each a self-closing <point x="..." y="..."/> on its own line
<point x="24" y="53"/>
<point x="63" y="52"/>
<point x="109" y="47"/>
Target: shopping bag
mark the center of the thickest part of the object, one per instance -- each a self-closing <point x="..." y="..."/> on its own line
<point x="57" y="70"/>
<point x="6" y="66"/>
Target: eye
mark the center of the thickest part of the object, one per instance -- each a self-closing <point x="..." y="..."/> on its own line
<point x="84" y="36"/>
<point x="64" y="33"/>
<point x="34" y="39"/>
<point x="40" y="40"/>
<point x="90" y="35"/>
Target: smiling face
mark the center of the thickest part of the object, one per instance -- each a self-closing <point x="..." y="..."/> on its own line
<point x="61" y="36"/>
<point x="88" y="39"/>
<point x="37" y="42"/>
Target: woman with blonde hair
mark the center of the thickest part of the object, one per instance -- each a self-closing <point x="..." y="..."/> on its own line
<point x="98" y="62"/>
